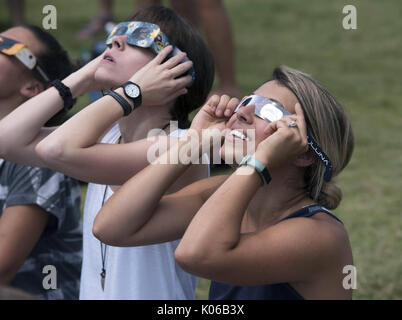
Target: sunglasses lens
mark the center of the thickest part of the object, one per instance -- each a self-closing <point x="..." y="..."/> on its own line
<point x="120" y="31"/>
<point x="140" y="33"/>
<point x="270" y="112"/>
<point x="264" y="108"/>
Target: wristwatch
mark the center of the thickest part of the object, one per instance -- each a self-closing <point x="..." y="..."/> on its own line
<point x="133" y="92"/>
<point x="258" y="166"/>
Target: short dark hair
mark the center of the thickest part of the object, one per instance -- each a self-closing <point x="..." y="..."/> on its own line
<point x="55" y="61"/>
<point x="188" y="40"/>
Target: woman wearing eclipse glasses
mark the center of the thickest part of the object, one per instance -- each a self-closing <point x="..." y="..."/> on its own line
<point x="92" y="147"/>
<point x="39" y="208"/>
<point x="265" y="231"/>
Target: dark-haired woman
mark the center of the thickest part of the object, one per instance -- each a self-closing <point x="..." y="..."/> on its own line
<point x="92" y="147"/>
<point x="265" y="231"/>
<point x="40" y="230"/>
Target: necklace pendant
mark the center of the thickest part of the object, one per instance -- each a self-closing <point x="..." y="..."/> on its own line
<point x="103" y="276"/>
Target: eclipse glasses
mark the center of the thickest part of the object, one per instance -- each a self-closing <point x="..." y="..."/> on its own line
<point x="146" y="35"/>
<point x="270" y="110"/>
<point x="11" y="47"/>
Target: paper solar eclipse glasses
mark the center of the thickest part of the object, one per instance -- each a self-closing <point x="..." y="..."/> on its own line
<point x="270" y="110"/>
<point x="146" y="35"/>
<point x="16" y="49"/>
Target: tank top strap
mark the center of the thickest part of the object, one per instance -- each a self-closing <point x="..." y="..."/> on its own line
<point x="309" y="211"/>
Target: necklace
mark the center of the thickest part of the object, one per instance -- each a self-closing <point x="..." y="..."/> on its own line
<point x="103" y="246"/>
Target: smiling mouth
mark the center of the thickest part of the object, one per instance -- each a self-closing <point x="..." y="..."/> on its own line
<point x="239" y="135"/>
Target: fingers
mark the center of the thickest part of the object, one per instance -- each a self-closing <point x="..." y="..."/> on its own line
<point x="213" y="102"/>
<point x="163" y="55"/>
<point x="181" y="82"/>
<point x="175" y="67"/>
<point x="231" y="106"/>
<point x="221" y="106"/>
<point x="292" y="127"/>
<point x="220" y="109"/>
<point x="175" y="60"/>
<point x="226" y="106"/>
<point x="180" y="68"/>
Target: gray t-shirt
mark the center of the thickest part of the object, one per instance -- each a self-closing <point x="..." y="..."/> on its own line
<point x="52" y="270"/>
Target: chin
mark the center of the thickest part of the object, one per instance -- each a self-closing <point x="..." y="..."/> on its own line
<point x="103" y="77"/>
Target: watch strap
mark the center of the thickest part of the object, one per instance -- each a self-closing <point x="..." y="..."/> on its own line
<point x="123" y="102"/>
<point x="65" y="93"/>
<point x="258" y="166"/>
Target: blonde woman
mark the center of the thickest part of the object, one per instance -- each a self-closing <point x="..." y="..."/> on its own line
<point x="265" y="231"/>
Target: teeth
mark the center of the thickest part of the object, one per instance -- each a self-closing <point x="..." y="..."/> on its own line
<point x="238" y="134"/>
<point x="109" y="58"/>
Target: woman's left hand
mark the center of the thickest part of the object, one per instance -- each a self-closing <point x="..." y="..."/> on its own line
<point x="287" y="138"/>
<point x="159" y="81"/>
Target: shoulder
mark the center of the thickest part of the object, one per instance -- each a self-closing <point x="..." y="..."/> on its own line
<point x="322" y="240"/>
<point x="320" y="227"/>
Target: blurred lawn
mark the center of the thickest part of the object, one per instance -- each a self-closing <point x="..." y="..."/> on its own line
<point x="361" y="67"/>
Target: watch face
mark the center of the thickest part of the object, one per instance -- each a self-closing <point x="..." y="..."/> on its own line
<point x="132" y="90"/>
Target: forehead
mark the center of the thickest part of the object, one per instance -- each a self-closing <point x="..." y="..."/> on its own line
<point x="275" y="91"/>
<point x="24" y="36"/>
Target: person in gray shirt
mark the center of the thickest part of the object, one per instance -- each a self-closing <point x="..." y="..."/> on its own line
<point x="40" y="228"/>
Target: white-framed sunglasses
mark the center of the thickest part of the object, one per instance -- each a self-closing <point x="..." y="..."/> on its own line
<point x="270" y="111"/>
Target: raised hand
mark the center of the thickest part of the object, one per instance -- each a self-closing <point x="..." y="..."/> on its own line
<point x="159" y="81"/>
<point x="83" y="80"/>
<point x="214" y="113"/>
<point x="287" y="138"/>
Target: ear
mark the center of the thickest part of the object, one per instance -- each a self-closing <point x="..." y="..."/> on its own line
<point x="304" y="160"/>
<point x="31" y="88"/>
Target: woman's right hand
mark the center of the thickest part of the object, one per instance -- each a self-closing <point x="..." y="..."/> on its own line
<point x="214" y="113"/>
<point x="210" y="121"/>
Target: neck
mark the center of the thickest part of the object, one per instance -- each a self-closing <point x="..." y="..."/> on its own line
<point x="145" y="118"/>
<point x="280" y="198"/>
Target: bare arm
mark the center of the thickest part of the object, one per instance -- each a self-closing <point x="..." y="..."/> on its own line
<point x="23" y="129"/>
<point x="20" y="230"/>
<point x="74" y="149"/>
<point x="139" y="214"/>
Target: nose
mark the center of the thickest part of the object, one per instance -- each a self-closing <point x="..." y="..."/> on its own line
<point x="246" y="114"/>
<point x="119" y="42"/>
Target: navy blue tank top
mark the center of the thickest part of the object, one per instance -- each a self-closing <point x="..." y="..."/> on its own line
<point x="277" y="291"/>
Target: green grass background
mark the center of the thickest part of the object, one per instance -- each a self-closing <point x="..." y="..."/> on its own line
<point x="361" y="67"/>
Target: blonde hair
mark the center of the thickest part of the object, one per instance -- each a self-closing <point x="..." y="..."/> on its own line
<point x="328" y="124"/>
